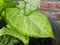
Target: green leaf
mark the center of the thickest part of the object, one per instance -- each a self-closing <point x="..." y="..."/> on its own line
<point x="6" y="3"/>
<point x="7" y="40"/>
<point x="3" y="40"/>
<point x="1" y="4"/>
<point x="36" y="24"/>
<point x="31" y="5"/>
<point x="26" y="21"/>
<point x="14" y="33"/>
<point x="21" y="5"/>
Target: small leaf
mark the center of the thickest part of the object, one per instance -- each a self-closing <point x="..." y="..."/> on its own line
<point x="6" y="3"/>
<point x="7" y="40"/>
<point x="1" y="4"/>
<point x="14" y="33"/>
<point x="31" y="5"/>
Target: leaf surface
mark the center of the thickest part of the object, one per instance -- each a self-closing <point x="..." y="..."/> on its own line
<point x="31" y="5"/>
<point x="14" y="33"/>
<point x="6" y="3"/>
<point x="35" y="24"/>
<point x="7" y="40"/>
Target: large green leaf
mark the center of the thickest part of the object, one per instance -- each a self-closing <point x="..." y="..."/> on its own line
<point x="36" y="24"/>
<point x="14" y="33"/>
<point x="25" y="20"/>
